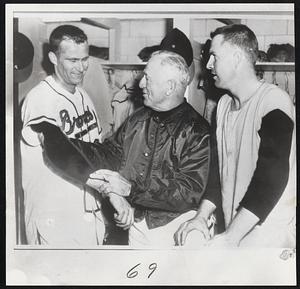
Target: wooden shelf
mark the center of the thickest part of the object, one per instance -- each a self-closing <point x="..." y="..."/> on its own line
<point x="265" y="66"/>
<point x="275" y="66"/>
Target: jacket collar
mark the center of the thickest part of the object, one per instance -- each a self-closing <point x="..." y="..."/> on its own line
<point x="165" y="116"/>
<point x="169" y="118"/>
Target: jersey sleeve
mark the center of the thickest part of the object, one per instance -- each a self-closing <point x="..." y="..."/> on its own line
<point x="37" y="109"/>
<point x="274" y="99"/>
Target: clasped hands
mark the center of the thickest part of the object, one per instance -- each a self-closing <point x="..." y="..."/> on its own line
<point x="116" y="188"/>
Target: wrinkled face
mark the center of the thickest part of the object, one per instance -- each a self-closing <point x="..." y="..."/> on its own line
<point x="153" y="84"/>
<point x="72" y="62"/>
<point x="221" y="62"/>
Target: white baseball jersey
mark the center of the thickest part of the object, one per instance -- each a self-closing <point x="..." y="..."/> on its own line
<point x="58" y="212"/>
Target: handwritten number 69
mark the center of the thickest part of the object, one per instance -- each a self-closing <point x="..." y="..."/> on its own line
<point x="133" y="273"/>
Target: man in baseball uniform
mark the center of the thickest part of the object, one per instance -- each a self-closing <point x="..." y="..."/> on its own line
<point x="58" y="212"/>
<point x="256" y="150"/>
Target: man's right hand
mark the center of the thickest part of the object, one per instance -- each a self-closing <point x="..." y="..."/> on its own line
<point x="124" y="216"/>
<point x="107" y="181"/>
<point x="198" y="223"/>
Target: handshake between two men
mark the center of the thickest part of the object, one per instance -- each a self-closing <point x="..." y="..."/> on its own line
<point x="116" y="188"/>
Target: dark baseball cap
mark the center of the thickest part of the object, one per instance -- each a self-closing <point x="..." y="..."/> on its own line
<point x="177" y="42"/>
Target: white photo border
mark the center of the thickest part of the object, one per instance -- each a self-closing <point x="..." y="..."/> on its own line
<point x="119" y="265"/>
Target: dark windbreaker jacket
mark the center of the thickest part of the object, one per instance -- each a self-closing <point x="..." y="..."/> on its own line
<point x="167" y="157"/>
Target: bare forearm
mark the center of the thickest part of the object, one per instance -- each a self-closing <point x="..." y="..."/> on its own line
<point x="242" y="224"/>
<point x="206" y="208"/>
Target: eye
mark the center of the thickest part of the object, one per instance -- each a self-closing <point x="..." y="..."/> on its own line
<point x="85" y="60"/>
<point x="146" y="77"/>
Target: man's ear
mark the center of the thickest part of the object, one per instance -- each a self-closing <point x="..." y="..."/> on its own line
<point x="171" y="87"/>
<point x="238" y="55"/>
<point x="52" y="57"/>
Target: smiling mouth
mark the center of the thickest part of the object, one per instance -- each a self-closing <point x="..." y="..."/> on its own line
<point x="77" y="74"/>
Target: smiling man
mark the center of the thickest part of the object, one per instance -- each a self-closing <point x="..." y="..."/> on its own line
<point x="256" y="150"/>
<point x="58" y="212"/>
<point x="165" y="153"/>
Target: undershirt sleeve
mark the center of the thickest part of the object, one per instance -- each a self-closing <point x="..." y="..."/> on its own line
<point x="272" y="169"/>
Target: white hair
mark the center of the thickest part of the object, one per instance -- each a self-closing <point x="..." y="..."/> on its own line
<point x="176" y="63"/>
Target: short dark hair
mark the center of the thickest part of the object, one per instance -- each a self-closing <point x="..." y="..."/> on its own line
<point x="64" y="32"/>
<point x="241" y="36"/>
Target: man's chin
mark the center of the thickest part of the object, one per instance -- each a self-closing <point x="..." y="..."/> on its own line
<point x="145" y="101"/>
<point x="77" y="80"/>
<point x="217" y="84"/>
<point x="148" y="104"/>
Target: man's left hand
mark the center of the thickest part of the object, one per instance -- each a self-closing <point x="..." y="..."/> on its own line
<point x="124" y="215"/>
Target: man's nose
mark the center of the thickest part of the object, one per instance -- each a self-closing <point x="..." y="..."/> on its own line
<point x="210" y="63"/>
<point x="142" y="82"/>
<point x="80" y="66"/>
